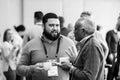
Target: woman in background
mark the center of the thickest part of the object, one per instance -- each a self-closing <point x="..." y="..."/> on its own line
<point x="2" y="76"/>
<point x="11" y="50"/>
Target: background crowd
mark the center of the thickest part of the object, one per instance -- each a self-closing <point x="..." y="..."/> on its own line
<point x="51" y="51"/>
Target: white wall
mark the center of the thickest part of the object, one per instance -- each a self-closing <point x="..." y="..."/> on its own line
<point x="10" y="14"/>
<point x="3" y="15"/>
<point x="104" y="12"/>
<point x="15" y="12"/>
<point x="72" y="10"/>
<point x="30" y="6"/>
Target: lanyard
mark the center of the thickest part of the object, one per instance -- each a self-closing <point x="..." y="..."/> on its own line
<point x="57" y="50"/>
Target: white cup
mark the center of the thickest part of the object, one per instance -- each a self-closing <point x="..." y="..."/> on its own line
<point x="47" y="65"/>
<point x="64" y="59"/>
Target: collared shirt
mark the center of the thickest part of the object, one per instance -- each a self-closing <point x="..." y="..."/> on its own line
<point x="36" y="50"/>
<point x="80" y="44"/>
<point x="89" y="63"/>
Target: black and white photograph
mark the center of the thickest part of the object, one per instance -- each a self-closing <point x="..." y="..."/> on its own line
<point x="59" y="39"/>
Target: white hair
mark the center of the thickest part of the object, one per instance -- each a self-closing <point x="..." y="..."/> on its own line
<point x="87" y="24"/>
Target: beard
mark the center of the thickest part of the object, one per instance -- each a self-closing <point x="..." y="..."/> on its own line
<point x="78" y="39"/>
<point x="51" y="36"/>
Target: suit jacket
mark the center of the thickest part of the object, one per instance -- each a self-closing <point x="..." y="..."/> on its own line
<point x="112" y="40"/>
<point x="89" y="64"/>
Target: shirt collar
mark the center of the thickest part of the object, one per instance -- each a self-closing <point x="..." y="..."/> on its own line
<point x="84" y="39"/>
<point x="82" y="42"/>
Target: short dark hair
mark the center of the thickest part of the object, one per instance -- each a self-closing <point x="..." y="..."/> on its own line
<point x="86" y="24"/>
<point x="98" y="28"/>
<point x="19" y="28"/>
<point x="85" y="13"/>
<point x="38" y="15"/>
<point x="47" y="16"/>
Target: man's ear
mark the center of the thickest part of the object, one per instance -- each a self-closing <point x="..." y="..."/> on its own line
<point x="84" y="31"/>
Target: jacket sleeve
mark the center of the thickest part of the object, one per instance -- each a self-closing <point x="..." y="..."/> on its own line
<point x="91" y="64"/>
<point x="108" y="40"/>
<point x="74" y="53"/>
<point x="23" y="68"/>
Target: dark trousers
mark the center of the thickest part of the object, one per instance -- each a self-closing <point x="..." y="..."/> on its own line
<point x="10" y="74"/>
<point x="113" y="71"/>
<point x="18" y="77"/>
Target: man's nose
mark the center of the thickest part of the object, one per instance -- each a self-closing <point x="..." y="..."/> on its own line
<point x="54" y="27"/>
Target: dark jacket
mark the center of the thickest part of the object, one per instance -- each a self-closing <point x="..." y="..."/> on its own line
<point x="112" y="42"/>
<point x="90" y="61"/>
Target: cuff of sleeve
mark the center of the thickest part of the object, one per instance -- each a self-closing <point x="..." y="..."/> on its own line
<point x="31" y="68"/>
<point x="72" y="68"/>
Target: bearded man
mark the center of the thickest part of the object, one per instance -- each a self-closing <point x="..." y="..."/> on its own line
<point x="40" y="55"/>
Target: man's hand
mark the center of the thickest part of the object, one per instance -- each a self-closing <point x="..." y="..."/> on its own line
<point x="37" y="67"/>
<point x="66" y="66"/>
<point x="44" y="65"/>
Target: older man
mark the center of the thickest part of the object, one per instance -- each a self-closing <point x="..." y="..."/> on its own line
<point x="89" y="64"/>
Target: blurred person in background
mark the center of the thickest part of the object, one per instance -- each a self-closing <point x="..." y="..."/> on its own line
<point x="21" y="30"/>
<point x="70" y="27"/>
<point x="11" y="50"/>
<point x="2" y="76"/>
<point x="86" y="14"/>
<point x="71" y="32"/>
<point x="98" y="35"/>
<point x="112" y="40"/>
<point x="118" y="54"/>
<point x="37" y="29"/>
<point x="64" y="30"/>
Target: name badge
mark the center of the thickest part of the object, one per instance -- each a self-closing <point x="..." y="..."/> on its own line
<point x="53" y="71"/>
<point x="47" y="65"/>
